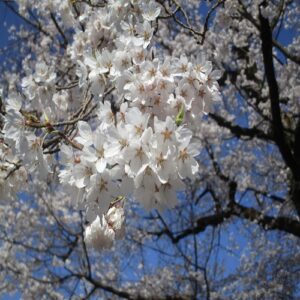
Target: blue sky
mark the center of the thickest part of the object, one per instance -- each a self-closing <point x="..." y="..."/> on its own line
<point x="6" y="17"/>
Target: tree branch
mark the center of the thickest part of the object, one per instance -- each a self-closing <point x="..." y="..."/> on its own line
<point x="292" y="57"/>
<point x="65" y="43"/>
<point x="36" y="26"/>
<point x="240" y="131"/>
<point x="284" y="224"/>
<point x="278" y="130"/>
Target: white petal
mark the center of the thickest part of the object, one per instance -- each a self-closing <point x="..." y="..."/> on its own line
<point x="85" y="131"/>
<point x="101" y="165"/>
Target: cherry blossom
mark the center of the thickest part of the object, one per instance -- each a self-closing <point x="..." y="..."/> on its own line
<point x="182" y="116"/>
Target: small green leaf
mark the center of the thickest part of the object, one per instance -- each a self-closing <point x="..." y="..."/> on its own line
<point x="180" y="116"/>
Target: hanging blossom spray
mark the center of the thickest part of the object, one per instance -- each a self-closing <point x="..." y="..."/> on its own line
<point x="147" y="111"/>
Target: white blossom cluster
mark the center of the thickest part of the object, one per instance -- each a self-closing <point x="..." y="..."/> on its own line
<point x="142" y="142"/>
<point x="102" y="233"/>
<point x="143" y="148"/>
<point x="12" y="174"/>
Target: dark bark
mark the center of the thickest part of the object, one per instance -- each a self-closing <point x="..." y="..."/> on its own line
<point x="277" y="126"/>
<point x="239" y="131"/>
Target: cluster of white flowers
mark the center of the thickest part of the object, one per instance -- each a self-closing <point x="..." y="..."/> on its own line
<point x="142" y="143"/>
<point x="102" y="232"/>
<point x="24" y="142"/>
<point x="147" y="146"/>
<point x="12" y="174"/>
